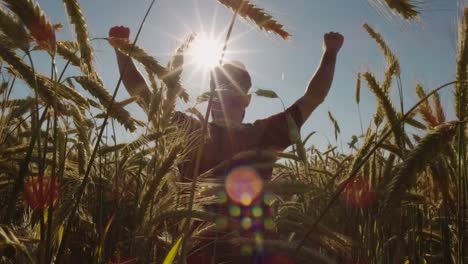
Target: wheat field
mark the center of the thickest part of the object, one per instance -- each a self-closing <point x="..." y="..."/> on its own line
<point x="72" y="193"/>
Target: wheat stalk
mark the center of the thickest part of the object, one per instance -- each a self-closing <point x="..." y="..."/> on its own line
<point x="386" y="106"/>
<point x="404" y="175"/>
<point x="461" y="88"/>
<point x="174" y="67"/>
<point x="81" y="126"/>
<point x="358" y="88"/>
<point x="105" y="98"/>
<point x="393" y="69"/>
<point x="389" y="55"/>
<point x="369" y="140"/>
<point x="68" y="50"/>
<point x="156" y="98"/>
<point x="438" y="108"/>
<point x="335" y="125"/>
<point x="22" y="70"/>
<point x="77" y="19"/>
<point x="249" y="11"/>
<point x="393" y="66"/>
<point x="141" y="56"/>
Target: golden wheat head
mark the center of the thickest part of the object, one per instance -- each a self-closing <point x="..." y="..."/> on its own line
<point x="405" y="173"/>
<point x="263" y="20"/>
<point x="12" y="28"/>
<point x="77" y="19"/>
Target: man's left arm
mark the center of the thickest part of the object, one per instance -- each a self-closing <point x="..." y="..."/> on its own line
<point x="275" y="129"/>
<point x="321" y="82"/>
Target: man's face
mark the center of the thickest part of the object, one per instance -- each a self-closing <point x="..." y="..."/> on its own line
<point x="230" y="107"/>
<point x="232" y="83"/>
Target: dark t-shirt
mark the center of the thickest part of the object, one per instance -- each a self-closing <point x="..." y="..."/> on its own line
<point x="253" y="140"/>
<point x="228" y="148"/>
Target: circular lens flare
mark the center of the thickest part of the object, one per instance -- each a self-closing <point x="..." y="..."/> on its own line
<point x="234" y="210"/>
<point x="246" y="223"/>
<point x="243" y="185"/>
<point x="257" y="211"/>
<point x="206" y="51"/>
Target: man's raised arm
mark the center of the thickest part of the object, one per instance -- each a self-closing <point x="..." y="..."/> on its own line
<point x="321" y="82"/>
<point x="131" y="77"/>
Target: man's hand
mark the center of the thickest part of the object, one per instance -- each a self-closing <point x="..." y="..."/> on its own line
<point x="119" y="32"/>
<point x="332" y="42"/>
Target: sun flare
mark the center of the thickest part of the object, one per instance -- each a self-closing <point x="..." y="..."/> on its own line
<point x="206" y="51"/>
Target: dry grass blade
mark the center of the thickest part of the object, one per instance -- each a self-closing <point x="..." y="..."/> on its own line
<point x="335" y="125"/>
<point x="42" y="31"/>
<point x="11" y="27"/>
<point x="77" y="19"/>
<point x="404" y="175"/>
<point x="358" y="88"/>
<point x="461" y="89"/>
<point x="105" y="98"/>
<point x="263" y="20"/>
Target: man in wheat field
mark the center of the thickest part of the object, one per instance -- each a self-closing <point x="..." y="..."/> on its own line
<point x="229" y="138"/>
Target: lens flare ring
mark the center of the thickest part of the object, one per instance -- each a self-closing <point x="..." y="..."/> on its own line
<point x="243" y="185"/>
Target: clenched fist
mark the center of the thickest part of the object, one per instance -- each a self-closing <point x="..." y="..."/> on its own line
<point x="332" y="42"/>
<point x="119" y="32"/>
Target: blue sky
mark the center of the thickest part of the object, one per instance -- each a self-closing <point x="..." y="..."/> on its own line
<point x="426" y="50"/>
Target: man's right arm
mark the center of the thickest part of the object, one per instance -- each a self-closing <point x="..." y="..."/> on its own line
<point x="131" y="77"/>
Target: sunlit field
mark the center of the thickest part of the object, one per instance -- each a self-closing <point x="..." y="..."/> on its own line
<point x="90" y="176"/>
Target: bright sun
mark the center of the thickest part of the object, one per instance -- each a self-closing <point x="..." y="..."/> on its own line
<point x="206" y="51"/>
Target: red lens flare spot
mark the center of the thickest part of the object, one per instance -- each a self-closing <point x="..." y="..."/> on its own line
<point x="243" y="185"/>
<point x="358" y="193"/>
<point x="122" y="260"/>
<point x="279" y="259"/>
<point x="40" y="192"/>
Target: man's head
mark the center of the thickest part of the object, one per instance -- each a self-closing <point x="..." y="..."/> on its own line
<point x="232" y="83"/>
